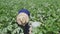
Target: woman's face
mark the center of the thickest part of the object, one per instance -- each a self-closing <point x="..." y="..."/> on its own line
<point x="22" y="19"/>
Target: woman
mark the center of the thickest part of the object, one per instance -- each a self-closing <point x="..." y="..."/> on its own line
<point x="23" y="19"/>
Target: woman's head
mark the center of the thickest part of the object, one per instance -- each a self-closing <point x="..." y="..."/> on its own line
<point x="23" y="17"/>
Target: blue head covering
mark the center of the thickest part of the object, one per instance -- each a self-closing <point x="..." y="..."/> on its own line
<point x="24" y="11"/>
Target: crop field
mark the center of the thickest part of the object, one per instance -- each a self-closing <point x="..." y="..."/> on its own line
<point x="47" y="12"/>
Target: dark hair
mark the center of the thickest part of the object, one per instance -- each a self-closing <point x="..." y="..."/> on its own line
<point x="24" y="11"/>
<point x="26" y="29"/>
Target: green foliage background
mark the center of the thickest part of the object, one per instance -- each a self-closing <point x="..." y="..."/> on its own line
<point x="45" y="11"/>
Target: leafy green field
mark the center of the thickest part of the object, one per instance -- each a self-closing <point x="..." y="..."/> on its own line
<point x="45" y="11"/>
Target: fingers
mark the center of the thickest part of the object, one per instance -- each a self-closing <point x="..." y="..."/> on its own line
<point x="30" y="29"/>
